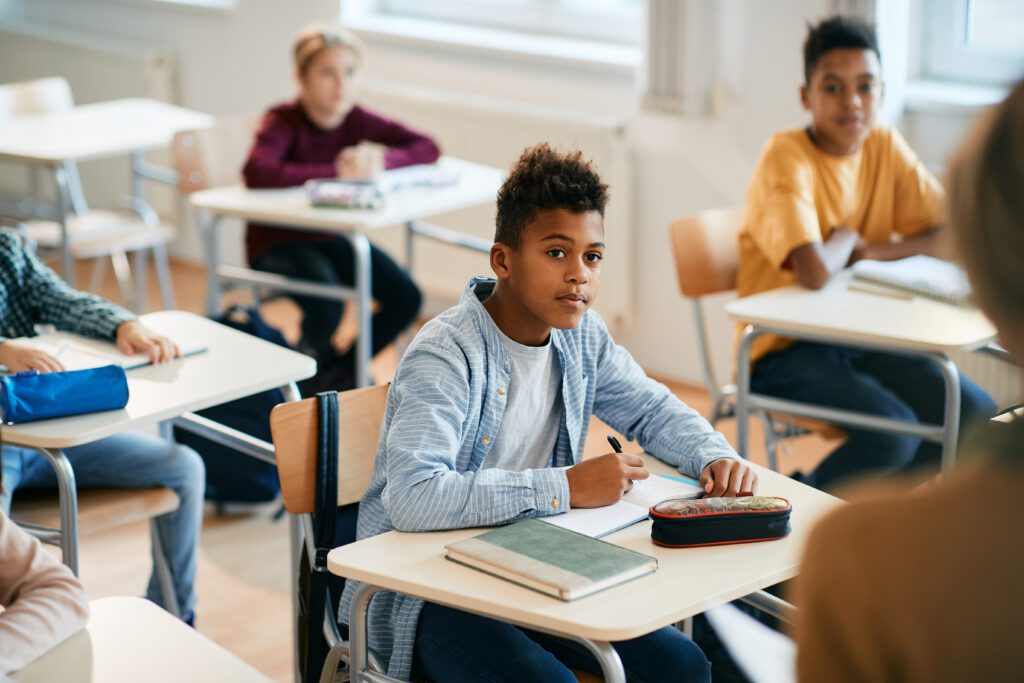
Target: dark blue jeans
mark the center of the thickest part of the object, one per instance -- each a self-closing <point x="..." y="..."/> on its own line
<point x="890" y="385"/>
<point x="333" y="262"/>
<point x="454" y="646"/>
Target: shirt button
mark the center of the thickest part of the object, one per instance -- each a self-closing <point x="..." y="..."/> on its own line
<point x="486" y="440"/>
<point x="554" y="503"/>
<point x="501" y="392"/>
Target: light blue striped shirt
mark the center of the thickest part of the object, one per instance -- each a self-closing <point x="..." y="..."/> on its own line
<point x="445" y="407"/>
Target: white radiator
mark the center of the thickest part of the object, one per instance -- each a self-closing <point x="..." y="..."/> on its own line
<point x="495" y="132"/>
<point x="999" y="379"/>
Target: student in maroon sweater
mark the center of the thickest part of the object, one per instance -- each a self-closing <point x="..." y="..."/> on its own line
<point x="324" y="134"/>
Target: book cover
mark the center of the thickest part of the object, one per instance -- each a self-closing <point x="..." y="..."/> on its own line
<point x="549" y="559"/>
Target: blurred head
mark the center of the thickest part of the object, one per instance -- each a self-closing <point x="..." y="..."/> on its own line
<point x="328" y="61"/>
<point x="549" y="241"/>
<point x="986" y="215"/>
<point x="843" y="83"/>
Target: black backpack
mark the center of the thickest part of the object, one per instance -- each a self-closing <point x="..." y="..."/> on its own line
<point x="232" y="476"/>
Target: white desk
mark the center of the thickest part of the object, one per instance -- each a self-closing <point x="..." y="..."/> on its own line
<point x="688" y="580"/>
<point x="234" y="365"/>
<point x="289" y="208"/>
<point x="836" y="314"/>
<point x="128" y="640"/>
<point x="59" y="139"/>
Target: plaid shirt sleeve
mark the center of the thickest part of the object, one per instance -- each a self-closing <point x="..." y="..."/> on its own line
<point x="39" y="295"/>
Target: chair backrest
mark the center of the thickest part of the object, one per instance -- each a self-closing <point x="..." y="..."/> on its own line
<point x="707" y="251"/>
<point x="41" y="96"/>
<point x="294" y="429"/>
<point x="214" y="156"/>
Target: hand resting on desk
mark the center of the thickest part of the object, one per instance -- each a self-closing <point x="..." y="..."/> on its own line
<point x="133" y="337"/>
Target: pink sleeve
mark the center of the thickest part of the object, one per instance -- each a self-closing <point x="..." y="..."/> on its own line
<point x="43" y="603"/>
<point x="266" y="166"/>
<point x="405" y="145"/>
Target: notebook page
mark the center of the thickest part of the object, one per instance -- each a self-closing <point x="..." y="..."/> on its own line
<point x="597" y="522"/>
<point x="633" y="507"/>
<point x="654" y="489"/>
<point x="921" y="274"/>
<point x="80" y="353"/>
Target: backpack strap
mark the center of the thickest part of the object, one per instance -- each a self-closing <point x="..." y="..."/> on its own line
<point x="326" y="511"/>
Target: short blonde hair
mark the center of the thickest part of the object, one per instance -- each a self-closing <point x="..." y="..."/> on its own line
<point x="986" y="211"/>
<point x="315" y="38"/>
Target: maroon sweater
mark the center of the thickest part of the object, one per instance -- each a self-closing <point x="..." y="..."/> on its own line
<point x="290" y="149"/>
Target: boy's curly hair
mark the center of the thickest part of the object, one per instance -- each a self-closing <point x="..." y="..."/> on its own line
<point x="544" y="178"/>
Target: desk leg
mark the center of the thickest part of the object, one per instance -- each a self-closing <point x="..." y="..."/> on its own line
<point x="207" y="224"/>
<point x="60" y="176"/>
<point x="607" y="657"/>
<point x="410" y="234"/>
<point x="951" y="420"/>
<point x="364" y="298"/>
<point x="750" y="333"/>
<point x="359" y="647"/>
<point x="68" y="494"/>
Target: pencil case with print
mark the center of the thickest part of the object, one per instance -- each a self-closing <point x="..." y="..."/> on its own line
<point x="686" y="523"/>
<point x="31" y="395"/>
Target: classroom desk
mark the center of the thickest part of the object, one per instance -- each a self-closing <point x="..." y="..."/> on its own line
<point x="128" y="640"/>
<point x="289" y="208"/>
<point x="688" y="581"/>
<point x="93" y="131"/>
<point x="234" y="365"/>
<point x="836" y="314"/>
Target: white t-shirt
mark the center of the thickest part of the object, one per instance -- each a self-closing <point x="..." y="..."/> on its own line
<point x="533" y="411"/>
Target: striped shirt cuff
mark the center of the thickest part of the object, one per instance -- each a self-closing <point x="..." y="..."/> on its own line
<point x="551" y="491"/>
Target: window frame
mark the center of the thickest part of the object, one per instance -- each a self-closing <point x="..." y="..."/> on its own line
<point x="946" y="56"/>
<point x="616" y="26"/>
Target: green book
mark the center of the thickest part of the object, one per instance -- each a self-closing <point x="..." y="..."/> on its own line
<point x="549" y="559"/>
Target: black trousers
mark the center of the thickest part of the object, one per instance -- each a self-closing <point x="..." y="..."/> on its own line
<point x="333" y="262"/>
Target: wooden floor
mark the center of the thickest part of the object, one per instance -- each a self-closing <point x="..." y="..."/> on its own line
<point x="243" y="578"/>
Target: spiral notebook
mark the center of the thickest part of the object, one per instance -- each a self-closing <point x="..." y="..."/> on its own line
<point x="922" y="275"/>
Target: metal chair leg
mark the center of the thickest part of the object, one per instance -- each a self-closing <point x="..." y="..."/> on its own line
<point x="163" y="571"/>
<point x="99" y="272"/>
<point x="771" y="441"/>
<point x="141" y="280"/>
<point x="163" y="273"/>
<point x="123" y="272"/>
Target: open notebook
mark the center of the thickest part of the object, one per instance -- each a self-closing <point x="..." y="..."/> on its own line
<point x="76" y="352"/>
<point x="632" y="508"/>
<point x="922" y="275"/>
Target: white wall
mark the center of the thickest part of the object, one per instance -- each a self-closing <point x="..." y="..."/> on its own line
<point x="238" y="62"/>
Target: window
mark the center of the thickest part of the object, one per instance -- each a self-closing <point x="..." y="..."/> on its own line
<point x="980" y="41"/>
<point x="613" y="21"/>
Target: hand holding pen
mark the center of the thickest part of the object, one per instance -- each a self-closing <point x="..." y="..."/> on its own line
<point x="602" y="480"/>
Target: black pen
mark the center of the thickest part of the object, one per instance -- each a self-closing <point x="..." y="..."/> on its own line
<point x="615" y="443"/>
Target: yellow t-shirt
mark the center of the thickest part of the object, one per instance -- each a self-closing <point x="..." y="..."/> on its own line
<point x="799" y="194"/>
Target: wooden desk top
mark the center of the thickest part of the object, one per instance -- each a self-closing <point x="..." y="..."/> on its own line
<point x="688" y="580"/>
<point x="94" y="131"/>
<point x="838" y="312"/>
<point x="234" y="365"/>
<point x="129" y="640"/>
<point x="289" y="207"/>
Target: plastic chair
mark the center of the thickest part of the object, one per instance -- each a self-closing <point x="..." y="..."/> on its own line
<point x="294" y="429"/>
<point x="94" y="234"/>
<point x="706" y="249"/>
<point x="100" y="509"/>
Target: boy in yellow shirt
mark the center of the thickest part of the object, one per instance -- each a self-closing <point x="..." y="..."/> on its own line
<point x="822" y="198"/>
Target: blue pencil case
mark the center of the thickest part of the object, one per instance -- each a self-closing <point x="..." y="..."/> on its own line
<point x="31" y="395"/>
